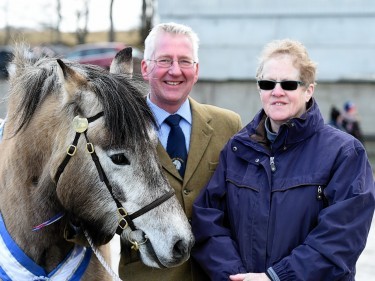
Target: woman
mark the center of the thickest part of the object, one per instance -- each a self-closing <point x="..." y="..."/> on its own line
<point x="292" y="198"/>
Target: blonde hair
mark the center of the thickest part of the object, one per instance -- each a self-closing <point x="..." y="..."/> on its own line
<point x="297" y="51"/>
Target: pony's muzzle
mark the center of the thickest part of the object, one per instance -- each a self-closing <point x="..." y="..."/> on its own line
<point x="181" y="249"/>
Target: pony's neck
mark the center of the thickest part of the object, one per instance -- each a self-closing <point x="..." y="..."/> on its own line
<point x="26" y="200"/>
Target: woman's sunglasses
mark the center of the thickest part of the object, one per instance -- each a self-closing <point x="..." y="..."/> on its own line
<point x="285" y="85"/>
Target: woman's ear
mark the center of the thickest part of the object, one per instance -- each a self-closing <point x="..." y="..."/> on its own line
<point x="309" y="92"/>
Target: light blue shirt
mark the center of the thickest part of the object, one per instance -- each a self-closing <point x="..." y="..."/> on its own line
<point x="163" y="131"/>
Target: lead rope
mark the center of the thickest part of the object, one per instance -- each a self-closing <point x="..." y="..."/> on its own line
<point x="101" y="259"/>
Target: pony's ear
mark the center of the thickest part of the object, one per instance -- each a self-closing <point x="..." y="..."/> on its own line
<point x="69" y="79"/>
<point x="123" y="62"/>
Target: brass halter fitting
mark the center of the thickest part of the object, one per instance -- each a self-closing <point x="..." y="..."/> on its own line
<point x="136" y="244"/>
<point x="80" y="124"/>
<point x="122" y="213"/>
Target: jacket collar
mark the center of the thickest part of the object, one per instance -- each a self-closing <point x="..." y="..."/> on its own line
<point x="293" y="131"/>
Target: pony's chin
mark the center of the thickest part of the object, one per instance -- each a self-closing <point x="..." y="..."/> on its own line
<point x="149" y="257"/>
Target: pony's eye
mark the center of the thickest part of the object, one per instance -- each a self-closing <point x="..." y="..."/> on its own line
<point x="120" y="159"/>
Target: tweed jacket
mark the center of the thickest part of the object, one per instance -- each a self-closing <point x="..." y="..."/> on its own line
<point x="211" y="129"/>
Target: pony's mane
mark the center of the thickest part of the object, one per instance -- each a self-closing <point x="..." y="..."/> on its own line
<point x="126" y="113"/>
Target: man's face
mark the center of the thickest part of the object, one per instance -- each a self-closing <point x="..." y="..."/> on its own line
<point x="170" y="86"/>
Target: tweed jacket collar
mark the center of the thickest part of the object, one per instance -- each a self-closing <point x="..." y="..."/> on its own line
<point x="201" y="134"/>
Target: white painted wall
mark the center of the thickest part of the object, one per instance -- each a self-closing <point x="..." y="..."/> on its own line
<point x="339" y="34"/>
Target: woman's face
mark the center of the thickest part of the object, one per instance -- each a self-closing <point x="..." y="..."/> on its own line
<point x="281" y="105"/>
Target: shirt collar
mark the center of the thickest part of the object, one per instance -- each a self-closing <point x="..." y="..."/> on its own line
<point x="160" y="114"/>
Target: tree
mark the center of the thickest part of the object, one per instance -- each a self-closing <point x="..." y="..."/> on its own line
<point x="7" y="26"/>
<point x="59" y="19"/>
<point x="146" y="18"/>
<point x="111" y="35"/>
<point x="82" y="22"/>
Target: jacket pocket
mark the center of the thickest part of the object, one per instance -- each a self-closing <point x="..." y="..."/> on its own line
<point x="212" y="166"/>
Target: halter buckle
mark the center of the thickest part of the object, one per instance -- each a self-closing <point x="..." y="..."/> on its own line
<point x="71" y="150"/>
<point x="90" y="147"/>
<point x="122" y="213"/>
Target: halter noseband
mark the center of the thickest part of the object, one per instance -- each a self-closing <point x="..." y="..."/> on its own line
<point x="80" y="126"/>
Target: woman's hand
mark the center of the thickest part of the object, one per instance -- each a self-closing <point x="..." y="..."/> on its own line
<point x="249" y="277"/>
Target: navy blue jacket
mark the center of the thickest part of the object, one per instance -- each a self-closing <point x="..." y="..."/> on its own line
<point x="301" y="209"/>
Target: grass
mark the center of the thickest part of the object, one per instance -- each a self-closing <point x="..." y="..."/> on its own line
<point x="34" y="37"/>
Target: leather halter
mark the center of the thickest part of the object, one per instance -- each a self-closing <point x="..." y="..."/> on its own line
<point x="80" y="125"/>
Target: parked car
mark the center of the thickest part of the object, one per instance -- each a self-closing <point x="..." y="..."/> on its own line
<point x="102" y="54"/>
<point x="6" y="56"/>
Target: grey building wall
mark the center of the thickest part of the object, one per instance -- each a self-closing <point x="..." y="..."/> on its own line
<point x="243" y="97"/>
<point x="339" y="35"/>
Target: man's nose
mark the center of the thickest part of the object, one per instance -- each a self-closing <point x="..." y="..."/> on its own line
<point x="175" y="68"/>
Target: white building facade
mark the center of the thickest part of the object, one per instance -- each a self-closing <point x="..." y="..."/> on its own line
<point x="339" y="35"/>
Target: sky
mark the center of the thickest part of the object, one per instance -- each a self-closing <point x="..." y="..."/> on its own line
<point x="38" y="13"/>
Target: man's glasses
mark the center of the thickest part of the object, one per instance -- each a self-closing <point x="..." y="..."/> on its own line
<point x="166" y="63"/>
<point x="285" y="85"/>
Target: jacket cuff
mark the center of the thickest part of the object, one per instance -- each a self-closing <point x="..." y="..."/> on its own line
<point x="278" y="272"/>
<point x="272" y="275"/>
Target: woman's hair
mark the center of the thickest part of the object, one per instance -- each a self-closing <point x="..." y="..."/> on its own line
<point x="172" y="28"/>
<point x="294" y="49"/>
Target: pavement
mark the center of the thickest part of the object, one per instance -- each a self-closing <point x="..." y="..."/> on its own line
<point x="365" y="264"/>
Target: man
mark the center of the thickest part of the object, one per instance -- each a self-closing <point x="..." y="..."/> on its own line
<point x="351" y="122"/>
<point x="171" y="67"/>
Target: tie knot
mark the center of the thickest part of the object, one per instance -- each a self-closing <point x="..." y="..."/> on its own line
<point x="173" y="120"/>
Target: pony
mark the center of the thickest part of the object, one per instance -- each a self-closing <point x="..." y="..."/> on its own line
<point x="78" y="164"/>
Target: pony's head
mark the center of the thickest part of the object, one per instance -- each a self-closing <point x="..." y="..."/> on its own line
<point x="88" y="149"/>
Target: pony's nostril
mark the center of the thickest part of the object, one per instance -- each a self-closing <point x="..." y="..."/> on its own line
<point x="180" y="249"/>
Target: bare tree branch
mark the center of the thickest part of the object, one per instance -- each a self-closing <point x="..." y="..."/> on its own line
<point x="111" y="35"/>
<point x="82" y="16"/>
<point x="58" y="23"/>
<point x="146" y="18"/>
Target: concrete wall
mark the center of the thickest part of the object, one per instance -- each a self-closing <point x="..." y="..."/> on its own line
<point x="337" y="33"/>
<point x="243" y="98"/>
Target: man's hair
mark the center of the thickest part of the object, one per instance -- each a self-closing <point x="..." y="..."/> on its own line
<point x="172" y="28"/>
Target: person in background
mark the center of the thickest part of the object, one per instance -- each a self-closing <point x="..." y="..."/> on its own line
<point x="292" y="198"/>
<point x="336" y="118"/>
<point x="350" y="121"/>
<point x="171" y="67"/>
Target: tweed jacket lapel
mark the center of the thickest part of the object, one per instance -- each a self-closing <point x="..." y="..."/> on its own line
<point x="200" y="137"/>
<point x="201" y="134"/>
<point x="166" y="161"/>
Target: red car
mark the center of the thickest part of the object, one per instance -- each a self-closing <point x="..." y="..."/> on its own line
<point x="101" y="54"/>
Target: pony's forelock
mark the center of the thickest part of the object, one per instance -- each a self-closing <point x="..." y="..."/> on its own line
<point x="127" y="116"/>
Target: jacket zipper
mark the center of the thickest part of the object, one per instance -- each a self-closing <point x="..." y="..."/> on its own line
<point x="320" y="193"/>
<point x="272" y="164"/>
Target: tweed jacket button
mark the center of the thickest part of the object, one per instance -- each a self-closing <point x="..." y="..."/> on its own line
<point x="186" y="191"/>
